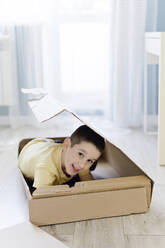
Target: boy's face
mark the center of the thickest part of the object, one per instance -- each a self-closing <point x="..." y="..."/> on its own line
<point x="79" y="157"/>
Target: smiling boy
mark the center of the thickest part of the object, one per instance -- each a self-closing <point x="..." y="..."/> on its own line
<point x="49" y="163"/>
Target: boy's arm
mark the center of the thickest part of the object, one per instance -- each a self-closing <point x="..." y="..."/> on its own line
<point x="86" y="177"/>
<point x="42" y="178"/>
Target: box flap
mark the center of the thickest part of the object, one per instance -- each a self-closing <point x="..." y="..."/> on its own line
<point x="46" y="107"/>
<point x="94" y="186"/>
<point x="27" y="235"/>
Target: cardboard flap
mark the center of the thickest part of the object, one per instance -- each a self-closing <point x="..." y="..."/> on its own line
<point x="27" y="235"/>
<point x="51" y="190"/>
<point x="46" y="108"/>
<point x="94" y="186"/>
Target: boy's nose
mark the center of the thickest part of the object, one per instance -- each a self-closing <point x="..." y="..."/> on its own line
<point x="81" y="164"/>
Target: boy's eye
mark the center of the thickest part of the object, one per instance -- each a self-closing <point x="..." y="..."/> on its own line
<point x="81" y="154"/>
<point x="90" y="161"/>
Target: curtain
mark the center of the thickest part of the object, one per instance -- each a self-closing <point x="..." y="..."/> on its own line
<point x="125" y="90"/>
<point x="24" y="68"/>
<point x="151" y="88"/>
<point x="37" y="66"/>
<point x="5" y="70"/>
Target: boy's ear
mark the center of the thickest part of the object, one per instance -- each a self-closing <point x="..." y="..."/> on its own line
<point x="67" y="142"/>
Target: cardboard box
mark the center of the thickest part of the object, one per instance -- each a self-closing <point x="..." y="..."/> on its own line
<point x="127" y="194"/>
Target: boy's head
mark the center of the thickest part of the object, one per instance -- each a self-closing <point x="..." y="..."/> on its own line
<point x="81" y="150"/>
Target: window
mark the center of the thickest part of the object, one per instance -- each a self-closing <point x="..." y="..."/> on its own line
<point x="83" y="56"/>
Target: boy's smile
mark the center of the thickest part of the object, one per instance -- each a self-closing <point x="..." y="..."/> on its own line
<point x="78" y="158"/>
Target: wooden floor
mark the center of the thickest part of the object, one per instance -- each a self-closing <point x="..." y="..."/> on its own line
<point x="139" y="230"/>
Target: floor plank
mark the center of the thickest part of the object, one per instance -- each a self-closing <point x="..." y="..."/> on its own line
<point x="145" y="241"/>
<point x="63" y="232"/>
<point x="98" y="233"/>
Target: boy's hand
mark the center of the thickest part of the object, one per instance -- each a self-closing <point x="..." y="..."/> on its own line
<point x="86" y="177"/>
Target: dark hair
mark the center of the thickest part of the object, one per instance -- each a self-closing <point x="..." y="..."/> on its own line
<point x="84" y="133"/>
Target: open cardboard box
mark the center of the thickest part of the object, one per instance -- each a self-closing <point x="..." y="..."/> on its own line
<point x="128" y="193"/>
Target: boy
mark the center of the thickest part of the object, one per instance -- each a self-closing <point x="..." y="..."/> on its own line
<point x="49" y="163"/>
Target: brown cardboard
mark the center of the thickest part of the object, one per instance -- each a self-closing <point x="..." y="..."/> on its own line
<point x="96" y="186"/>
<point x="129" y="193"/>
<point x="87" y="206"/>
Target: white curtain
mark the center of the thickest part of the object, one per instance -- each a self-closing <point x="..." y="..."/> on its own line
<point x="125" y="96"/>
<point x="5" y="70"/>
<point x="37" y="66"/>
<point x="25" y="52"/>
<point x="151" y="88"/>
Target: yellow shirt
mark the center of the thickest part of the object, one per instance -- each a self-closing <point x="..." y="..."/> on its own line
<point x="40" y="160"/>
